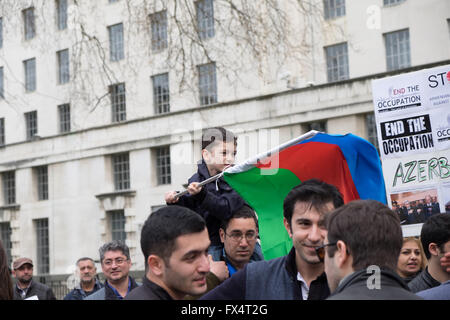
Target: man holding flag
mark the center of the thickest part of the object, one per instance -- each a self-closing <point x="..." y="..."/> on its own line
<point x="300" y="274"/>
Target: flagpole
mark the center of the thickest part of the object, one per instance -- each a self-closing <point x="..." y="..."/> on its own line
<point x="254" y="160"/>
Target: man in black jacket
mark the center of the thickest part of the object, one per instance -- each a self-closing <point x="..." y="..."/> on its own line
<point x="362" y="246"/>
<point x="26" y="288"/>
<point x="435" y="238"/>
<point x="298" y="275"/>
<point x="174" y="241"/>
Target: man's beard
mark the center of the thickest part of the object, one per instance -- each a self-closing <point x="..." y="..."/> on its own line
<point x="25" y="281"/>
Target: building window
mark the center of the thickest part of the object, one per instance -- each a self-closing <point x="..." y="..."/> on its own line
<point x="2" y="88"/>
<point x="161" y="97"/>
<point x="117" y="225"/>
<point x="61" y="14"/>
<point x="118" y="103"/>
<point x="63" y="66"/>
<point x="2" y="131"/>
<point x="29" y="23"/>
<point x="334" y="8"/>
<point x="9" y="187"/>
<point x="391" y="2"/>
<point x="371" y="130"/>
<point x="121" y="171"/>
<point x="207" y="83"/>
<point x="205" y="18"/>
<point x="116" y="42"/>
<point x="42" y="246"/>
<point x="397" y="50"/>
<point x="163" y="171"/>
<point x="159" y="30"/>
<point x="31" y="124"/>
<point x="30" y="74"/>
<point x="42" y="182"/>
<point x="320" y="126"/>
<point x="337" y="62"/>
<point x="5" y="236"/>
<point x="64" y="118"/>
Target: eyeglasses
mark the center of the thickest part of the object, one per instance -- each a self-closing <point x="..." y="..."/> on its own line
<point x="320" y="251"/>
<point x="238" y="236"/>
<point x="118" y="261"/>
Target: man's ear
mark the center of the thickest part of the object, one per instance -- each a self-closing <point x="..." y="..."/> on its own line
<point x="287" y="225"/>
<point x="433" y="248"/>
<point x="222" y="235"/>
<point x="341" y="254"/>
<point x="155" y="265"/>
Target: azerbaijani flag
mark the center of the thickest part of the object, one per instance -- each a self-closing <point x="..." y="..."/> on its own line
<point x="346" y="161"/>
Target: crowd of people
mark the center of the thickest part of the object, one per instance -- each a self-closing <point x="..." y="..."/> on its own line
<point x="205" y="245"/>
<point x="412" y="212"/>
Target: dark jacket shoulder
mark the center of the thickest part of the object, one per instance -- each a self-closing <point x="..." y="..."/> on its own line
<point x="148" y="291"/>
<point x="423" y="281"/>
<point x="359" y="286"/>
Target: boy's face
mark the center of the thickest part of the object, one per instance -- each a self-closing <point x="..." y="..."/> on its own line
<point x="220" y="155"/>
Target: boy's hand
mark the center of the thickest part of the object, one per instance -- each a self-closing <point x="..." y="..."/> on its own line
<point x="194" y="188"/>
<point x="170" y="197"/>
<point x="219" y="268"/>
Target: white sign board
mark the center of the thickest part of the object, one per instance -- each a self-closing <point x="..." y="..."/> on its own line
<point x="412" y="113"/>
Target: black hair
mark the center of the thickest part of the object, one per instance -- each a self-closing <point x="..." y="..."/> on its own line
<point x="164" y="226"/>
<point x="212" y="135"/>
<point x="115" y="245"/>
<point x="371" y="232"/>
<point x="244" y="212"/>
<point x="313" y="191"/>
<point x="436" y="229"/>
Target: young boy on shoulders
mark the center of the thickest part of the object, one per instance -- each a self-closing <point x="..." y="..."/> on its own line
<point x="215" y="201"/>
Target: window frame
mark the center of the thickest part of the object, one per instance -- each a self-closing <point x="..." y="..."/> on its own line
<point x="337" y="69"/>
<point x="207" y="83"/>
<point x="116" y="42"/>
<point x="161" y="93"/>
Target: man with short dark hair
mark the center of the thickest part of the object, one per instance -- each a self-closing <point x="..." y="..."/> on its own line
<point x="116" y="264"/>
<point x="26" y="288"/>
<point x="300" y="274"/>
<point x="435" y="238"/>
<point x="175" y="242"/>
<point x="362" y="246"/>
<point x="88" y="281"/>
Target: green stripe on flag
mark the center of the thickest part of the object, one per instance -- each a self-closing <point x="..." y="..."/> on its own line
<point x="265" y="190"/>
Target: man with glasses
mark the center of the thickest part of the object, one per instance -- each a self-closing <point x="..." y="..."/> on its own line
<point x="116" y="264"/>
<point x="361" y="250"/>
<point x="299" y="275"/>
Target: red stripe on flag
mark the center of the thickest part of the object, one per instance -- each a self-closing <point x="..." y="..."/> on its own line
<point x="318" y="160"/>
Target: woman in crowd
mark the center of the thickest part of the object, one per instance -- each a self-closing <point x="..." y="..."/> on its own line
<point x="412" y="259"/>
<point x="6" y="285"/>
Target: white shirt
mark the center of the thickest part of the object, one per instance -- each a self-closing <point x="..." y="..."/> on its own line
<point x="305" y="288"/>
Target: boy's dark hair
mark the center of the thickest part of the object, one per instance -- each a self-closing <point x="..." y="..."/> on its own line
<point x="436" y="229"/>
<point x="164" y="226"/>
<point x="212" y="135"/>
<point x="316" y="192"/>
<point x="115" y="245"/>
<point x="244" y="212"/>
<point x="371" y="231"/>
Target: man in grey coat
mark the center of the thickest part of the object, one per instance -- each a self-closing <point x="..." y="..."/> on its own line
<point x="361" y="250"/>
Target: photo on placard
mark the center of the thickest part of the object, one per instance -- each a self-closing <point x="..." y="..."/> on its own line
<point x="445" y="191"/>
<point x="415" y="207"/>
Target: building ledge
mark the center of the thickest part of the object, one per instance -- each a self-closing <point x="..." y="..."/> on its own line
<point x="13" y="206"/>
<point x="123" y="193"/>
